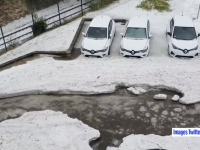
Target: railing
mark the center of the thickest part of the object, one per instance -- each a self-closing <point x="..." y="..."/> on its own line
<point x="61" y="18"/>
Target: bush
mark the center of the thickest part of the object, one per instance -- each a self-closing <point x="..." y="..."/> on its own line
<point x="160" y="5"/>
<point x="39" y="27"/>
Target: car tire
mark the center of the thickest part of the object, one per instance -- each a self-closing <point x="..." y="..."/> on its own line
<point x="168" y="51"/>
<point x="148" y="54"/>
<point x="109" y="51"/>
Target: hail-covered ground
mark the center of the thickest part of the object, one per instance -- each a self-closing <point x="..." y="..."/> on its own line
<point x="92" y="75"/>
<point x="46" y="130"/>
<point x="102" y="75"/>
<point x="147" y="142"/>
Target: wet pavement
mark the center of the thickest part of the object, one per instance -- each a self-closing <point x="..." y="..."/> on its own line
<point x="20" y="62"/>
<point x="76" y="52"/>
<point x="115" y="115"/>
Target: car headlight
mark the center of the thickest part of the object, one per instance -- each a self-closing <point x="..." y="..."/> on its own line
<point x="83" y="48"/>
<point x="105" y="49"/>
<point x="195" y="48"/>
<point x="145" y="49"/>
<point x="175" y="47"/>
<point x="122" y="48"/>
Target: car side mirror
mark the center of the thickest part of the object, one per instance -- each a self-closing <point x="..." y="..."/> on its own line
<point x="83" y="34"/>
<point x="122" y="34"/>
<point x="169" y="33"/>
<point x="198" y="35"/>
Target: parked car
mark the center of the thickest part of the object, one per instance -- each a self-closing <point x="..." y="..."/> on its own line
<point x="99" y="36"/>
<point x="136" y="38"/>
<point x="182" y="37"/>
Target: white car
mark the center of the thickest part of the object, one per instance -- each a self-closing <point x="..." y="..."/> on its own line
<point x="182" y="37"/>
<point x="136" y="38"/>
<point x="99" y="36"/>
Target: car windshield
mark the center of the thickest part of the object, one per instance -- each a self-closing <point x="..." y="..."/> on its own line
<point x="184" y="33"/>
<point x="96" y="32"/>
<point x="135" y="33"/>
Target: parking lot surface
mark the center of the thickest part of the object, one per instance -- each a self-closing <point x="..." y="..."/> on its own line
<point x="158" y="45"/>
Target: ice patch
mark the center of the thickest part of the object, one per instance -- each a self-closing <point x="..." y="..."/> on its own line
<point x="175" y="98"/>
<point x="172" y="113"/>
<point x="141" y="90"/>
<point x="143" y="109"/>
<point x="129" y="113"/>
<point x="136" y="90"/>
<point x="165" y="112"/>
<point x="177" y="109"/>
<point x="147" y="114"/>
<point x="133" y="90"/>
<point x="160" y="97"/>
<point x="153" y="120"/>
<point x="155" y="108"/>
<point x="183" y="124"/>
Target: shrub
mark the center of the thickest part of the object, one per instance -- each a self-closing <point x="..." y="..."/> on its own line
<point x="39" y="27"/>
<point x="160" y="5"/>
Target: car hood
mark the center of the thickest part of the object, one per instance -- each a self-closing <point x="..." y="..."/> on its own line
<point x="94" y="44"/>
<point x="185" y="44"/>
<point x="131" y="44"/>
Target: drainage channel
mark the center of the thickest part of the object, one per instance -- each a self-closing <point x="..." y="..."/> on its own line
<point x="115" y="115"/>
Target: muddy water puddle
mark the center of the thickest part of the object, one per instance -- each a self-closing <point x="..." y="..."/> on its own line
<point x="115" y="115"/>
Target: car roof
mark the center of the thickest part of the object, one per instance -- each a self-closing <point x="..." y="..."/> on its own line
<point x="100" y="21"/>
<point x="138" y="22"/>
<point x="183" y="21"/>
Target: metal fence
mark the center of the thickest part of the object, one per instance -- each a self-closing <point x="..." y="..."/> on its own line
<point x="83" y="8"/>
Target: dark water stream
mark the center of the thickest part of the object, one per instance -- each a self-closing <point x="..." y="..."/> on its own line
<point x="115" y="115"/>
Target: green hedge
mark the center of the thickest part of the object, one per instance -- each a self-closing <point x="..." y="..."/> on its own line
<point x="39" y="27"/>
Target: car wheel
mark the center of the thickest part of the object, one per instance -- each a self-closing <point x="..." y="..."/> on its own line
<point x="148" y="54"/>
<point x="168" y="51"/>
<point x="109" y="51"/>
